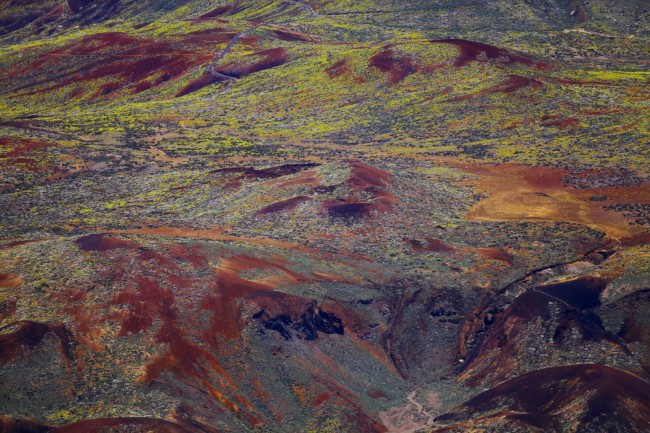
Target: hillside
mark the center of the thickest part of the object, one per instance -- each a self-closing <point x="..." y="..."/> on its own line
<point x="324" y="216"/>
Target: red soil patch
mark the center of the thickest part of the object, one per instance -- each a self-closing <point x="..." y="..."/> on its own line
<point x="472" y="51"/>
<point x="114" y="61"/>
<point x="288" y="36"/>
<point x="162" y="297"/>
<point x="516" y="82"/>
<point x="268" y="59"/>
<point x="438" y="246"/>
<point x="202" y="81"/>
<point x="283" y="205"/>
<point x="429" y="244"/>
<point x="580" y="83"/>
<point x="643" y="239"/>
<point x="367" y="186"/>
<point x="338" y="69"/>
<point x="278" y="171"/>
<point x="321" y="398"/>
<point x="10" y="280"/>
<point x="461" y="98"/>
<point x="523" y="193"/>
<point x="512" y="84"/>
<point x="376" y="393"/>
<point x="216" y="12"/>
<point x="359" y="420"/>
<point x="18" y="244"/>
<point x="428" y="69"/>
<point x="398" y="66"/>
<point x="249" y="40"/>
<point x="495" y="254"/>
<point x="80" y="92"/>
<point x="12" y="425"/>
<point x="102" y="242"/>
<point x="24" y="146"/>
<point x="633" y="331"/>
<point x="86" y="318"/>
<point x="29" y="335"/>
<point x="364" y="176"/>
<point x="560" y="122"/>
<point x="251" y="173"/>
<point x="26" y="156"/>
<point x="231" y="289"/>
<point x="216" y="234"/>
<point x="147" y="298"/>
<point x="207" y="36"/>
<point x="309" y="177"/>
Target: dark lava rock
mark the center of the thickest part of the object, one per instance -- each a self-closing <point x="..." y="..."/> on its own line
<point x="304" y="327"/>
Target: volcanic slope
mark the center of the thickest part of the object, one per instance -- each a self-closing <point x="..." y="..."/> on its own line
<point x="327" y="216"/>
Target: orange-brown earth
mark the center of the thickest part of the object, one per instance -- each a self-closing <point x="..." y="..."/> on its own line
<point x="523" y="193"/>
<point x="367" y="193"/>
<point x="436" y="245"/>
<point x="189" y="310"/>
<point x="10" y="280"/>
<point x="214" y="234"/>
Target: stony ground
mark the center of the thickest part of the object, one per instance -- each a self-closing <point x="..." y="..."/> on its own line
<point x="324" y="216"/>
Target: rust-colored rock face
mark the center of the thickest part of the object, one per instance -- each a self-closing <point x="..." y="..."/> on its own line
<point x="472" y="51"/>
<point x="396" y="66"/>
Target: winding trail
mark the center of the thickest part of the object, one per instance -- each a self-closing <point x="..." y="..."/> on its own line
<point x="212" y="67"/>
<point x="420" y="408"/>
<point x="311" y="11"/>
<point x="412" y="417"/>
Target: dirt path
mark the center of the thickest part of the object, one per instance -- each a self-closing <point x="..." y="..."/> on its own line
<point x="420" y="408"/>
<point x="311" y="11"/>
<point x="413" y="416"/>
<point x="587" y="32"/>
<point x="213" y="65"/>
<point x="212" y="68"/>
